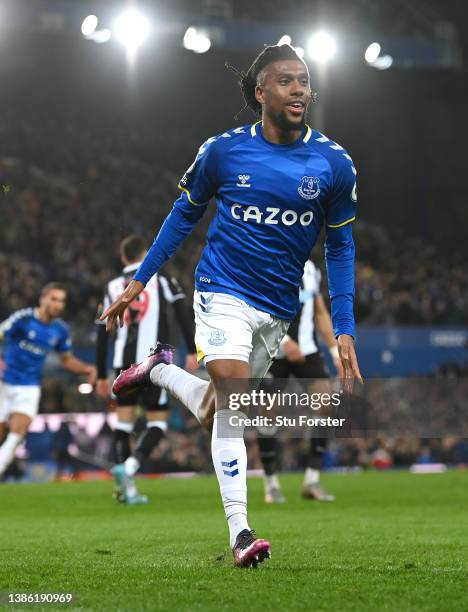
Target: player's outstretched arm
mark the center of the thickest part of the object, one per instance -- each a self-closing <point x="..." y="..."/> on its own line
<point x="197" y="185"/>
<point x="73" y="364"/>
<point x="339" y="255"/>
<point x="292" y="350"/>
<point x="116" y="310"/>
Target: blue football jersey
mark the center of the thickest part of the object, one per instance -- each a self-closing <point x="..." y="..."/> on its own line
<point x="27" y="342"/>
<point x="272" y="201"/>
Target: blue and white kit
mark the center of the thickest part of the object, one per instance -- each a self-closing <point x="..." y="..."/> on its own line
<point x="27" y="342"/>
<point x="272" y="201"/>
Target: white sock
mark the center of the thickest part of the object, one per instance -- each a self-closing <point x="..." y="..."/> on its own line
<point x="130" y="487"/>
<point x="8" y="450"/>
<point x="124" y="426"/>
<point x="162" y="425"/>
<point x="187" y="388"/>
<point x="311" y="477"/>
<point x="271" y="482"/>
<point x="131" y="466"/>
<point x="230" y="462"/>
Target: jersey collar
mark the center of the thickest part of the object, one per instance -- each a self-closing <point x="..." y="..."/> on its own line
<point x="131" y="267"/>
<point x="256" y="130"/>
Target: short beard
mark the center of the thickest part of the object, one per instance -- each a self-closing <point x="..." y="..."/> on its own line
<point x="281" y="121"/>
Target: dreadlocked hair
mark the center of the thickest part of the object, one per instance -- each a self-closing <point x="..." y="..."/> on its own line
<point x="248" y="80"/>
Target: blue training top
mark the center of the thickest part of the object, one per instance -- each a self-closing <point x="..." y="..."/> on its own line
<point x="272" y="201"/>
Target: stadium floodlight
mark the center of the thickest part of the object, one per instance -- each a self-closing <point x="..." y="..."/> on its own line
<point x="197" y="41"/>
<point x="89" y="25"/>
<point x="90" y="31"/>
<point x="131" y="29"/>
<point x="383" y="63"/>
<point x="300" y="52"/>
<point x="372" y="52"/>
<point x="321" y="47"/>
<point x="101" y="36"/>
<point x="285" y="40"/>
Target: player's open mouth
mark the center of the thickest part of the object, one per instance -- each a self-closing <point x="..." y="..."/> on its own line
<point x="296" y="108"/>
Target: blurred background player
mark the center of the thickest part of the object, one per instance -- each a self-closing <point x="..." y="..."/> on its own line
<point x="145" y="322"/>
<point x="300" y="356"/>
<point x="29" y="335"/>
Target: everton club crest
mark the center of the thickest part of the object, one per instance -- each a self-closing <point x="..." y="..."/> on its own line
<point x="217" y="337"/>
<point x="309" y="187"/>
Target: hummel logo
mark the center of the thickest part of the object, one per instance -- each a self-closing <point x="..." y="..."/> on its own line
<point x="230" y="464"/>
<point x="243" y="178"/>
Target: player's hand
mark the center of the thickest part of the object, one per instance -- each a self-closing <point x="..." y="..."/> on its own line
<point x="103" y="388"/>
<point x="191" y="362"/>
<point x="116" y="310"/>
<point x="339" y="368"/>
<point x="292" y="351"/>
<point x="92" y="375"/>
<point x="349" y="362"/>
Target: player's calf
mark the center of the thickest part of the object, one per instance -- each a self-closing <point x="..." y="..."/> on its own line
<point x="18" y="428"/>
<point x="8" y="450"/>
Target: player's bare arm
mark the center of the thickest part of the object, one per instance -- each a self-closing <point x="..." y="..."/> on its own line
<point x="292" y="350"/>
<point x="103" y="388"/>
<point x="73" y="364"/>
<point x="191" y="362"/>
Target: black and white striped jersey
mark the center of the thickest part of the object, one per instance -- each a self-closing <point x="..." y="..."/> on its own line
<point x="302" y="328"/>
<point x="146" y="320"/>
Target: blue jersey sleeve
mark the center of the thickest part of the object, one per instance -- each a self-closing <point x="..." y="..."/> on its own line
<point x="339" y="248"/>
<point x="341" y="206"/>
<point x="11" y="328"/>
<point x="199" y="182"/>
<point x="64" y="345"/>
<point x="198" y="186"/>
<point x="8" y="328"/>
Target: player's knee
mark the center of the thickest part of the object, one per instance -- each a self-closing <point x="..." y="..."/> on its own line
<point x="225" y="369"/>
<point x="19" y="424"/>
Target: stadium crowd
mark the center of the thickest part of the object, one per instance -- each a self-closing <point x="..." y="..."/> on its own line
<point x="67" y="201"/>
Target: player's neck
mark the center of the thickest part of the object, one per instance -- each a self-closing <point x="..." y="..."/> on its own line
<point x="42" y="315"/>
<point x="278" y="135"/>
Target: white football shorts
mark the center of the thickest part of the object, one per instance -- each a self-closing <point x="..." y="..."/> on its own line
<point x="18" y="398"/>
<point x="229" y="328"/>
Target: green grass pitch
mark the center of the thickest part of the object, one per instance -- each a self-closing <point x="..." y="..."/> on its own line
<point x="391" y="541"/>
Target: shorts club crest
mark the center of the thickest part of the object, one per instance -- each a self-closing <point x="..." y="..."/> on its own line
<point x="217" y="337"/>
